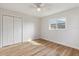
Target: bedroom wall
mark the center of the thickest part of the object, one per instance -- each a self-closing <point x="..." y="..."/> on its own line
<point x="31" y="28"/>
<point x="30" y="24"/>
<point x="69" y="36"/>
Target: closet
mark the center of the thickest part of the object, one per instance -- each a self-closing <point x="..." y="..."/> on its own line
<point x="17" y="30"/>
<point x="11" y="30"/>
<point x="7" y="30"/>
<point x="0" y="31"/>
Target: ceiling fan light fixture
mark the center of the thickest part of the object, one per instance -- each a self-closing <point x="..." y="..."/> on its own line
<point x="38" y="9"/>
<point x="38" y="6"/>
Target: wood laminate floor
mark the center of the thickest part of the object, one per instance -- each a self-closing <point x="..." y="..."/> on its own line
<point x="38" y="47"/>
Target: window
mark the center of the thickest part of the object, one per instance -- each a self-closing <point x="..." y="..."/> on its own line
<point x="58" y="23"/>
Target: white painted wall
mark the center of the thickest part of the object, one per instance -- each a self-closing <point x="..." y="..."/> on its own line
<point x="69" y="36"/>
<point x="30" y="28"/>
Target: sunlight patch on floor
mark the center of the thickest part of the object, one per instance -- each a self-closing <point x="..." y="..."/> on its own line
<point x="33" y="42"/>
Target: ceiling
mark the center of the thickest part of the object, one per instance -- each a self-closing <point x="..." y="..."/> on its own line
<point x="47" y="9"/>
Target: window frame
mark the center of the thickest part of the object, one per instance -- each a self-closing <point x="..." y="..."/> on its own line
<point x="49" y="25"/>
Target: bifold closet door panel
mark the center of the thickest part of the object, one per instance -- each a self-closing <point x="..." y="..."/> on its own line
<point x="0" y="30"/>
<point x="7" y="30"/>
<point x="17" y="30"/>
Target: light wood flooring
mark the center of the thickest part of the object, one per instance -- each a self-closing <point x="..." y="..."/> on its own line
<point x="38" y="47"/>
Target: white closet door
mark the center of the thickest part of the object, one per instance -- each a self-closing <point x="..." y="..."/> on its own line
<point x="7" y="30"/>
<point x="0" y="30"/>
<point x="17" y="30"/>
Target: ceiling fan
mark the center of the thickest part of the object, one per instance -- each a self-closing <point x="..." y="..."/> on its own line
<point x="38" y="6"/>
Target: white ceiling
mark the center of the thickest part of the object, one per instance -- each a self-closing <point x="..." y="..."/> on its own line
<point x="48" y="9"/>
